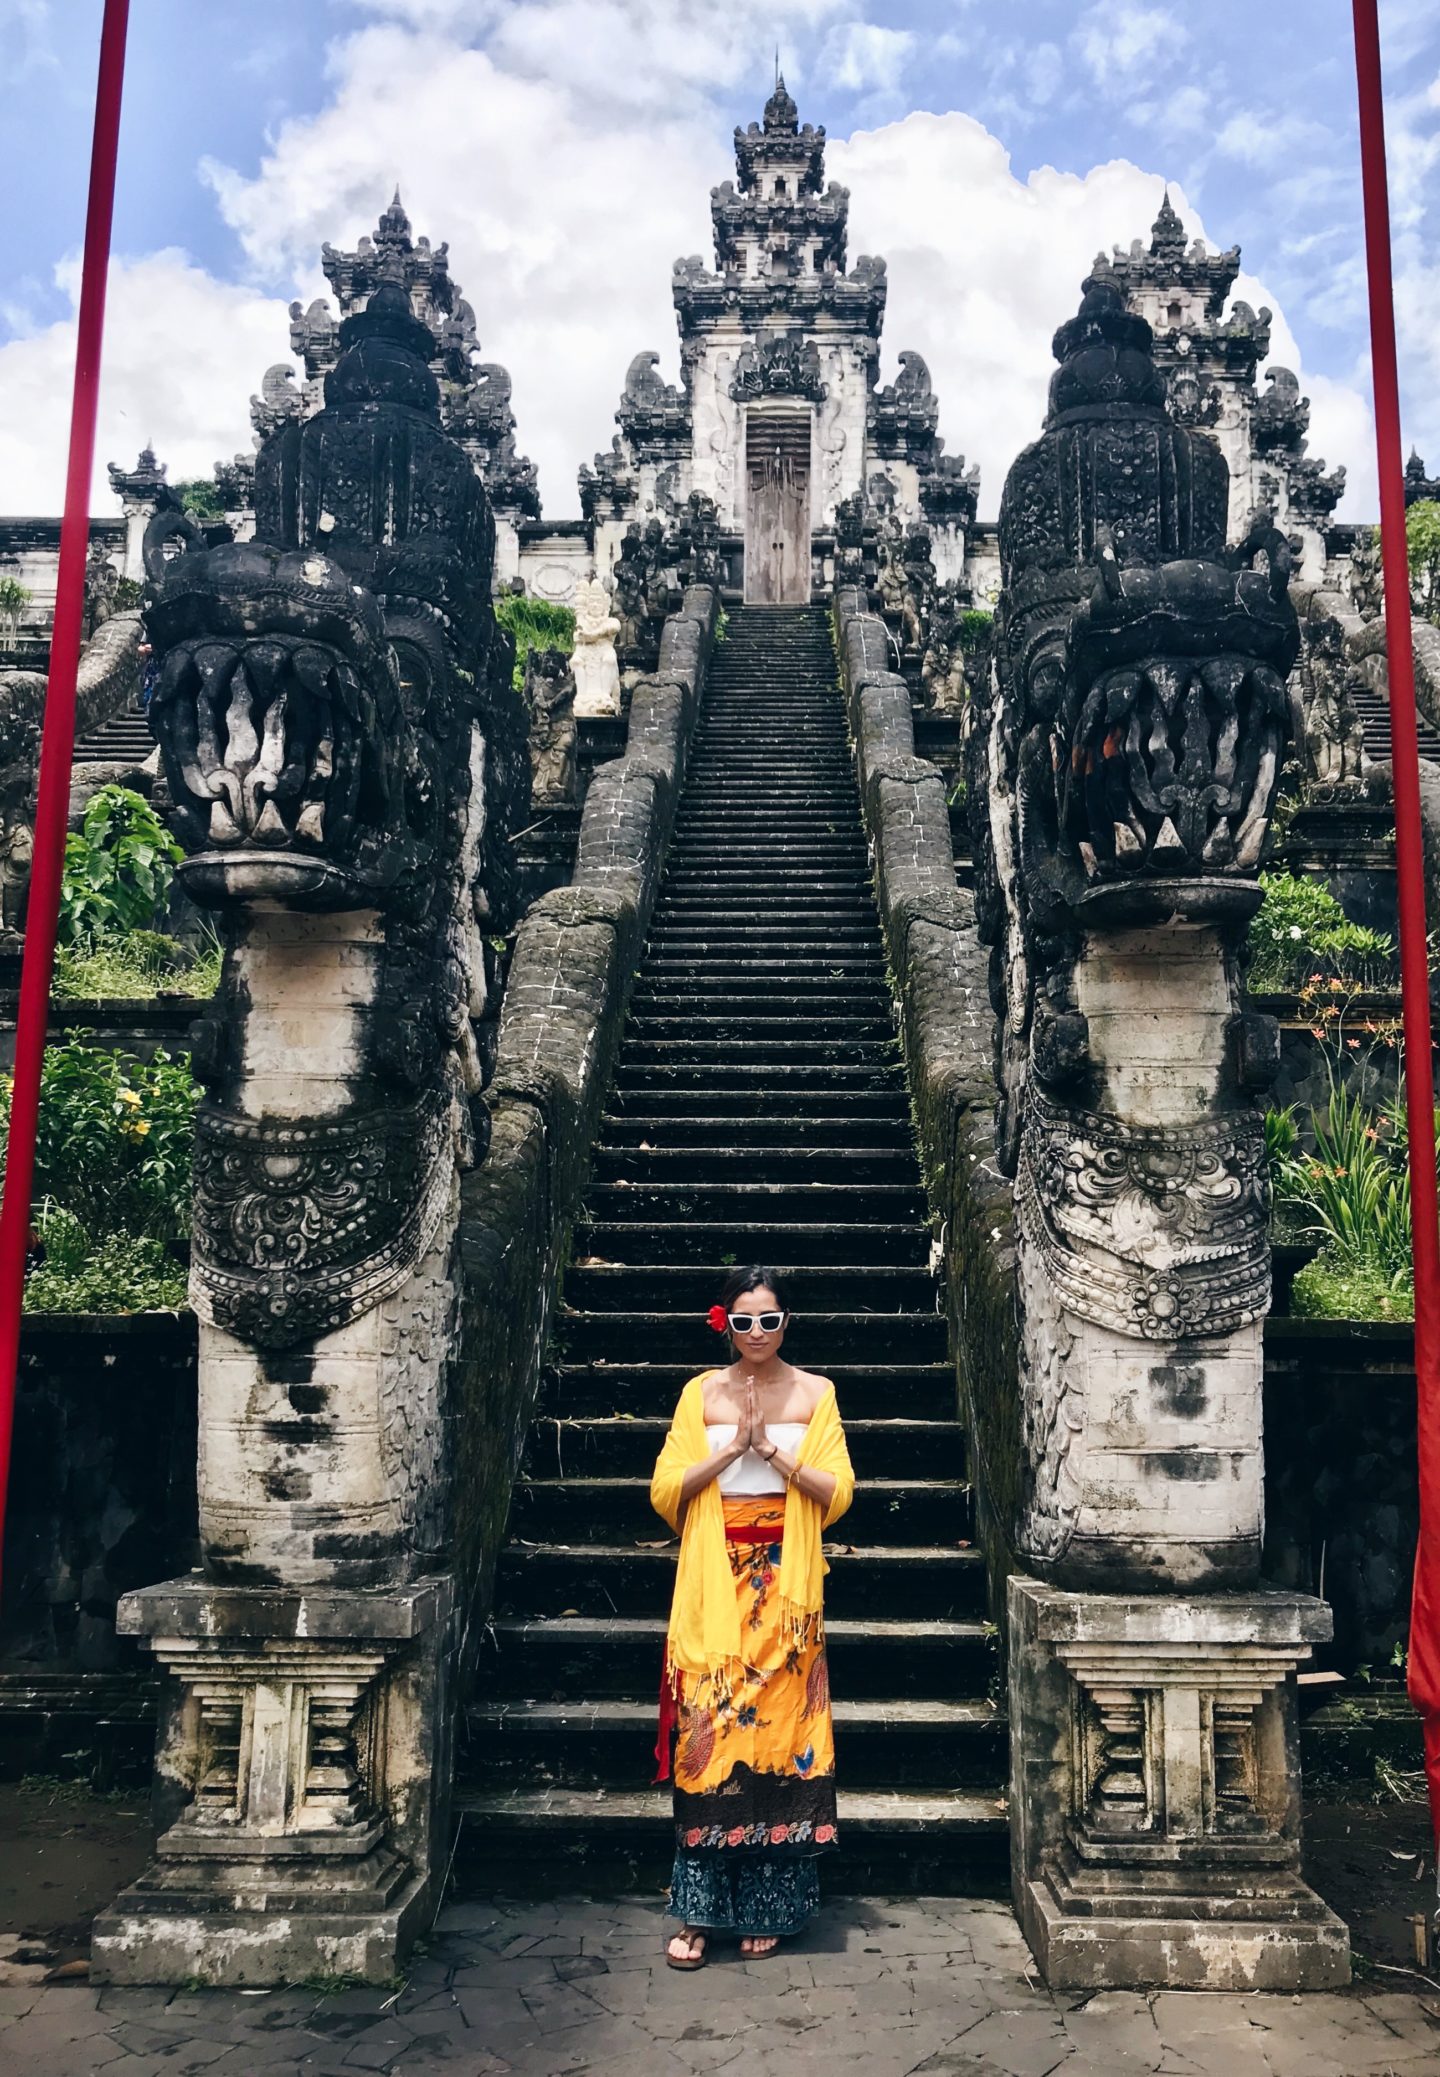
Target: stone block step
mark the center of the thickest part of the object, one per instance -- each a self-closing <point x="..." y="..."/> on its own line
<point x="763" y="1103"/>
<point x="604" y="1841"/>
<point x="865" y="1583"/>
<point x="866" y="1391"/>
<point x="882" y="1292"/>
<point x="722" y="1024"/>
<point x="818" y="1340"/>
<point x="722" y="1052"/>
<point x="751" y="1204"/>
<point x="593" y="1656"/>
<point x="744" y="1076"/>
<point x="799" y="1247"/>
<point x="737" y="1130"/>
<point x="781" y="1164"/>
<point x="758" y="966"/>
<point x="618" y="1446"/>
<point x="607" y="1742"/>
<point x="617" y="1510"/>
<point x="671" y="997"/>
<point x="843" y="976"/>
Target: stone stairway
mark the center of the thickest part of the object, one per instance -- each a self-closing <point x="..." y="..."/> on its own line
<point x="1373" y="707"/>
<point x="759" y="1113"/>
<point x="124" y="739"/>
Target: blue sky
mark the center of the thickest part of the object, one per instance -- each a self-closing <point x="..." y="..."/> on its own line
<point x="566" y="147"/>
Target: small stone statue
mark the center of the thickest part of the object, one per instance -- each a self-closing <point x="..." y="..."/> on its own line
<point x="595" y="664"/>
<point x="942" y="670"/>
<point x="550" y="697"/>
<point x="1367" y="576"/>
<point x="1334" y="736"/>
<point x="102" y="587"/>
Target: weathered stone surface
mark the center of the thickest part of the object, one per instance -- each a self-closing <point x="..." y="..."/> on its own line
<point x="1155" y="1820"/>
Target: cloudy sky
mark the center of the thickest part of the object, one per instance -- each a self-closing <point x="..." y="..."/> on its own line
<point x="566" y="149"/>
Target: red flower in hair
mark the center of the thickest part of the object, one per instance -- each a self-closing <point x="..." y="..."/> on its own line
<point x="718" y="1317"/>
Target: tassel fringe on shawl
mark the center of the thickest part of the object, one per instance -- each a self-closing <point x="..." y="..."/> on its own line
<point x="704" y="1637"/>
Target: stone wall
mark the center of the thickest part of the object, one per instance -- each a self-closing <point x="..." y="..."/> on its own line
<point x="940" y="971"/>
<point x="565" y="1002"/>
<point x="102" y="1490"/>
<point x="1340" y="1495"/>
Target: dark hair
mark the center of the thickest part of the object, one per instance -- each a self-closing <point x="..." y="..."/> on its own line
<point x="750" y="1278"/>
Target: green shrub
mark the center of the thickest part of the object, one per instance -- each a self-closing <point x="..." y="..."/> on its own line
<point x="115" y="1139"/>
<point x="200" y="497"/>
<point x="118" y="868"/>
<point x="122" y="1273"/>
<point x="1333" y="1287"/>
<point x="137" y="966"/>
<point x="1300" y="929"/>
<point x="535" y="624"/>
<point x="977" y="629"/>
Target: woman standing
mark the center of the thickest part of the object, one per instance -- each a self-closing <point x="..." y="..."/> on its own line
<point x="754" y="1469"/>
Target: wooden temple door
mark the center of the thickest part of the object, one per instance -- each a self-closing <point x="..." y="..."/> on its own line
<point x="777" y="508"/>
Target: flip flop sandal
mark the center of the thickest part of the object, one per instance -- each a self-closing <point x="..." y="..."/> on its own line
<point x="687" y="1961"/>
<point x="764" y="1956"/>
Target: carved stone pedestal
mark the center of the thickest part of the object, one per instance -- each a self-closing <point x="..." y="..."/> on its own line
<point x="1155" y="1779"/>
<point x="299" y="1788"/>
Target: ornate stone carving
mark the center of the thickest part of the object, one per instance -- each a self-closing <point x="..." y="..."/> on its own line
<point x="1122" y="777"/>
<point x="778" y="364"/>
<point x="342" y="747"/>
<point x="594" y="662"/>
<point x="1157" y="1841"/>
<point x="1334" y="738"/>
<point x="1417" y="484"/>
<point x="300" y="1228"/>
<point x="550" y="697"/>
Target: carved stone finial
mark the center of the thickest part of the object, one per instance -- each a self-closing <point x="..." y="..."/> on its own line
<point x="1167" y="235"/>
<point x="781" y="114"/>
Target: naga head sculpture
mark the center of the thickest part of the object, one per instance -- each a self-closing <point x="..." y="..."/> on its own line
<point x="316" y="682"/>
<point x="340" y="737"/>
<point x="1126" y="759"/>
<point x="1144" y="662"/>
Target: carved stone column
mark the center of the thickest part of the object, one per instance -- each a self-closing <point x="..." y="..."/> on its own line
<point x="1127" y="759"/>
<point x="342" y="745"/>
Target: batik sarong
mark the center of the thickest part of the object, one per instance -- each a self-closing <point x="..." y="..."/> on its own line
<point x="754" y="1768"/>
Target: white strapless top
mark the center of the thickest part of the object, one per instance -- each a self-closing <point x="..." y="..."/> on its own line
<point x="750" y="1475"/>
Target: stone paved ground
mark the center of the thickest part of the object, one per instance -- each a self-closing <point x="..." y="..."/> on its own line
<point x="936" y="1986"/>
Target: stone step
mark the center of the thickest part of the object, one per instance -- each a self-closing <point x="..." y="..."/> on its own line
<point x="898" y="1743"/>
<point x="556" y="1841"/>
<point x="651" y="1242"/>
<point x="866" y="1583"/>
<point x="622" y="1446"/>
<point x="764" y="1103"/>
<point x="732" y="1164"/>
<point x="838" y="976"/>
<point x="885" y="1292"/>
<point x="875" y="1391"/>
<point x="617" y="1510"/>
<point x="736" y="1081"/>
<point x="592" y="1656"/>
<point x="747" y="1204"/>
<point x="816" y="1341"/>
<point x="661" y="1129"/>
<point x="720" y="1026"/>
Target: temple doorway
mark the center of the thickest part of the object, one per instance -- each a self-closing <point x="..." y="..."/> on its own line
<point x="777" y="508"/>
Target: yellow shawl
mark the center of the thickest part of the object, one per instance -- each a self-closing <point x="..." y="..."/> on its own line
<point x="704" y="1637"/>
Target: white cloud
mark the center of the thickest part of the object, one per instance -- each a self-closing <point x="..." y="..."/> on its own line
<point x="566" y="189"/>
<point x="1127" y="40"/>
<point x="861" y="58"/>
<point x="1258" y="137"/>
<point x="183" y="353"/>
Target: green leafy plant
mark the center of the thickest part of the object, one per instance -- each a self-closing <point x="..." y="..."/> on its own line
<point x="1300" y="928"/>
<point x="200" y="497"/>
<point x="1350" y="1191"/>
<point x="14" y="598"/>
<point x="136" y="966"/>
<point x="535" y="624"/>
<point x="114" y="1140"/>
<point x="118" y="868"/>
<point x="977" y="629"/>
<point x="722" y="626"/>
<point x="1422" y="545"/>
<point x="120" y="1273"/>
